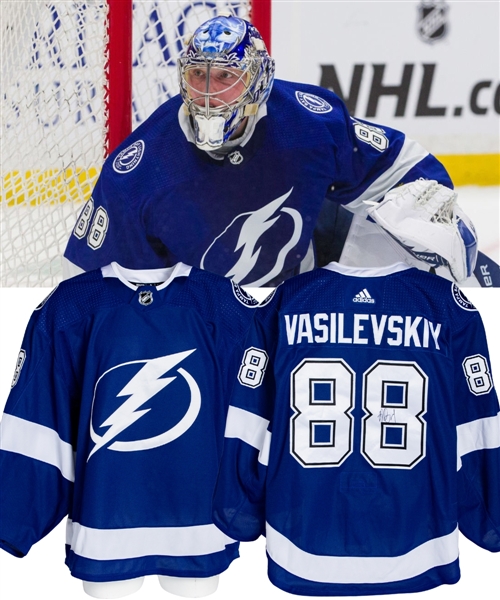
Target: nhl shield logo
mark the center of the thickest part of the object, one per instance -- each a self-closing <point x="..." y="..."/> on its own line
<point x="235" y="158"/>
<point x="146" y="298"/>
<point x="432" y="20"/>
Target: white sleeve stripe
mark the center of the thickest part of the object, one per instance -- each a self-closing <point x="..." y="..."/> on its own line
<point x="411" y="154"/>
<point x="264" y="453"/>
<point x="482" y="434"/>
<point x="246" y="426"/>
<point x="361" y="569"/>
<point x="69" y="269"/>
<point x="38" y="442"/>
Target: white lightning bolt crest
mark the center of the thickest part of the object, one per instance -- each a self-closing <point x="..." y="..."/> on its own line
<point x="144" y="385"/>
<point x="254" y="227"/>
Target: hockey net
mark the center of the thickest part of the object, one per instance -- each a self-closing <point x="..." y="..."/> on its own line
<point x="61" y="113"/>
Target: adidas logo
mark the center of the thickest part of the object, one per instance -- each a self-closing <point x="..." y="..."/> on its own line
<point x="364" y="296"/>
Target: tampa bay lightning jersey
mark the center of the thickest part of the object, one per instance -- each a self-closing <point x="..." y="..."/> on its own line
<point x="116" y="419"/>
<point x="267" y="210"/>
<point x="364" y="433"/>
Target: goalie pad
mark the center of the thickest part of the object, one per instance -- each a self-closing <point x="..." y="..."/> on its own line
<point x="424" y="218"/>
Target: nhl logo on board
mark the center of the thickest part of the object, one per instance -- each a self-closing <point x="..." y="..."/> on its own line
<point x="313" y="103"/>
<point x="235" y="158"/>
<point x="432" y="20"/>
<point x="146" y="298"/>
<point x="128" y="159"/>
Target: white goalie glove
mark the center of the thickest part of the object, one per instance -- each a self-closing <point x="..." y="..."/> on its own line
<point x="424" y="218"/>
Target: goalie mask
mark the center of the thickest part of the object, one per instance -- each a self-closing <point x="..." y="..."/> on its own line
<point x="225" y="74"/>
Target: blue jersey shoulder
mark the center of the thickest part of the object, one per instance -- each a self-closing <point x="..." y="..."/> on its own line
<point x="74" y="299"/>
<point x="219" y="300"/>
<point x="158" y="152"/>
<point x="154" y="155"/>
<point x="306" y="115"/>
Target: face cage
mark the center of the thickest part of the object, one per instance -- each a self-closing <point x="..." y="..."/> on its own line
<point x="249" y="77"/>
<point x="192" y="94"/>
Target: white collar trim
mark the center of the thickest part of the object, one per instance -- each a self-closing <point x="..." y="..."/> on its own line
<point x="366" y="271"/>
<point x="162" y="276"/>
<point x="185" y="125"/>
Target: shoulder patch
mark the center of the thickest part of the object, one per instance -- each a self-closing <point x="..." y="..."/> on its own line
<point x="244" y="297"/>
<point x="128" y="159"/>
<point x="19" y="365"/>
<point x="45" y="300"/>
<point x="268" y="298"/>
<point x="460" y="298"/>
<point x="313" y="103"/>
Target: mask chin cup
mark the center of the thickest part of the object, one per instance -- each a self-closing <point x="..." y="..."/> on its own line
<point x="209" y="132"/>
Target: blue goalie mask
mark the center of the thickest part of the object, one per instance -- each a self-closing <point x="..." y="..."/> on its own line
<point x="225" y="74"/>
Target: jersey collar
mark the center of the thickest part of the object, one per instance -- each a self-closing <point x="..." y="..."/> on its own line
<point x="131" y="277"/>
<point x="366" y="271"/>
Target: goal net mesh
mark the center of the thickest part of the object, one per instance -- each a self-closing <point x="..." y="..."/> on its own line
<point x="55" y="112"/>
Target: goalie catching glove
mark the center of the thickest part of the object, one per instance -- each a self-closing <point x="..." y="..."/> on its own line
<point x="424" y="218"/>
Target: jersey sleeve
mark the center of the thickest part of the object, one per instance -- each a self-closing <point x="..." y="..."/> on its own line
<point x="478" y="437"/>
<point x="238" y="506"/>
<point x="36" y="442"/>
<point x="371" y="159"/>
<point x="111" y="227"/>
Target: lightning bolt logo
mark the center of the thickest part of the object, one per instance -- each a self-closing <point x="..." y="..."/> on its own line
<point x="141" y="388"/>
<point x="254" y="226"/>
<point x="128" y="159"/>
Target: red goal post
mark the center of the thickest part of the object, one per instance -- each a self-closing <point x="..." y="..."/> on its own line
<point x="77" y="77"/>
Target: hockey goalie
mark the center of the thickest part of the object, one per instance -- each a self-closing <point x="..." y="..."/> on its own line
<point x="258" y="179"/>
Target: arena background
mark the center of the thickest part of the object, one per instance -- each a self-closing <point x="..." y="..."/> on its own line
<point x="359" y="49"/>
<point x="430" y="69"/>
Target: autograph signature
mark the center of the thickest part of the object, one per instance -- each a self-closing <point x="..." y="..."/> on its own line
<point x="386" y="415"/>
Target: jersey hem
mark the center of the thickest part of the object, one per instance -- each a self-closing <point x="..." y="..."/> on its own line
<point x="123" y="569"/>
<point x="443" y="575"/>
<point x="12" y="550"/>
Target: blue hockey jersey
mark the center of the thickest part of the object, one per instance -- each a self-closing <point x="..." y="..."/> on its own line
<point x="266" y="211"/>
<point x="116" y="419"/>
<point x="364" y="434"/>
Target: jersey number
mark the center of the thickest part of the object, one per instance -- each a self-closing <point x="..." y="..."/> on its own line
<point x="253" y="367"/>
<point x="392" y="429"/>
<point x="477" y="374"/>
<point x="373" y="136"/>
<point x="98" y="228"/>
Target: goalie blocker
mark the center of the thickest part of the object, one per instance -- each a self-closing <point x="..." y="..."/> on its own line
<point x="424" y="218"/>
